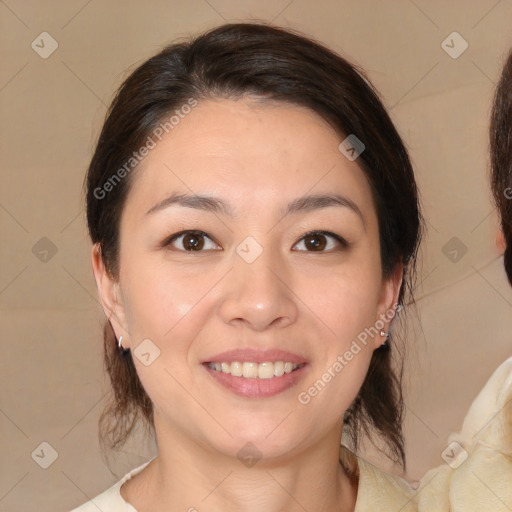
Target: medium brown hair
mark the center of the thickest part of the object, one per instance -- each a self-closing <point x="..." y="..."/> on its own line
<point x="501" y="158"/>
<point x="268" y="62"/>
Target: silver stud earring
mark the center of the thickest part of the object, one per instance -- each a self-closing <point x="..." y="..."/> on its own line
<point x="121" y="348"/>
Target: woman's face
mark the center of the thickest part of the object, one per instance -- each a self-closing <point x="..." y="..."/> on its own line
<point x="252" y="287"/>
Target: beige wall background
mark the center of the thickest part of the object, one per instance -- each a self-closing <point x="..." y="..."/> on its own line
<point x="52" y="382"/>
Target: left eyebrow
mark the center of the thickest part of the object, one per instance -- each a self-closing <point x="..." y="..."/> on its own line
<point x="217" y="205"/>
<point x="316" y="202"/>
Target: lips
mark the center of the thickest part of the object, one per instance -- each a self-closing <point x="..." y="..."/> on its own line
<point x="256" y="374"/>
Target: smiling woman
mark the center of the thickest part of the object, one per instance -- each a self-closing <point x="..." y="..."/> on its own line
<point x="269" y="234"/>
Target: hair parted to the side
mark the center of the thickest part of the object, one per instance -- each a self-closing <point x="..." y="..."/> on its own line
<point x="501" y="157"/>
<point x="267" y="62"/>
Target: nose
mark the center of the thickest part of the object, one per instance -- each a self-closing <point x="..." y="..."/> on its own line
<point x="259" y="295"/>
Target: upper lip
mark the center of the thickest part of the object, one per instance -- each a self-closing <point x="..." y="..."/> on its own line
<point x="256" y="356"/>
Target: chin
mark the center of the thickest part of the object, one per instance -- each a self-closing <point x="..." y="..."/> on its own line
<point x="257" y="440"/>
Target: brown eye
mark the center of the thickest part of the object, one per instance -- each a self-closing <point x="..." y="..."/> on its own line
<point x="318" y="241"/>
<point x="190" y="241"/>
<point x="315" y="242"/>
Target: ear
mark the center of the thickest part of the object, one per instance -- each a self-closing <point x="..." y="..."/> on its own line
<point x="108" y="291"/>
<point x="388" y="302"/>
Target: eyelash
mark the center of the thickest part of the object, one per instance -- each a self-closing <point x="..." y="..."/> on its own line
<point x="341" y="241"/>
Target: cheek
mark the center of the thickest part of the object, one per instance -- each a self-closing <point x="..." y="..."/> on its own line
<point x="346" y="303"/>
<point x="159" y="300"/>
<point x="346" y="300"/>
<point x="166" y="306"/>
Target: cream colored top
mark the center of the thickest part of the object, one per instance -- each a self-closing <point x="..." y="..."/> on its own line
<point x="478" y="472"/>
<point x="476" y="478"/>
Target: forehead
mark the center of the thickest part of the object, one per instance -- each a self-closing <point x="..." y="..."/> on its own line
<point x="251" y="152"/>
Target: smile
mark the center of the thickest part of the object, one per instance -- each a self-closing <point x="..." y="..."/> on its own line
<point x="253" y="370"/>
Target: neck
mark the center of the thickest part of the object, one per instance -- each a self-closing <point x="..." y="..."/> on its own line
<point x="187" y="476"/>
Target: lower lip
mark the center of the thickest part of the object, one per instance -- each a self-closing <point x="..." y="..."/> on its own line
<point x="257" y="388"/>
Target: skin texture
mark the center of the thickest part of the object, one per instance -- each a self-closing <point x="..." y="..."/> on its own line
<point x="258" y="157"/>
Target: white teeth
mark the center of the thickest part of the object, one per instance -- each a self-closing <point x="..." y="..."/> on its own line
<point x="250" y="370"/>
<point x="278" y="368"/>
<point x="237" y="369"/>
<point x="265" y="371"/>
